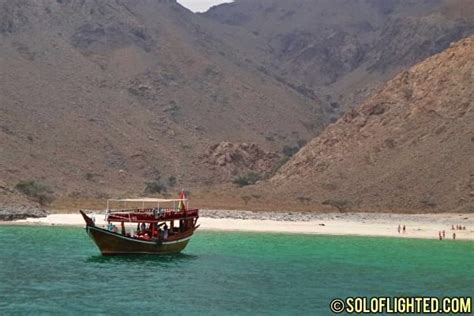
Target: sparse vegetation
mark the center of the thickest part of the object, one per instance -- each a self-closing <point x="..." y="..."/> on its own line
<point x="155" y="186"/>
<point x="390" y="143"/>
<point x="35" y="190"/>
<point x="301" y="143"/>
<point x="329" y="186"/>
<point x="341" y="205"/>
<point x="173" y="109"/>
<point x="91" y="176"/>
<point x="428" y="202"/>
<point x="289" y="151"/>
<point x="211" y="71"/>
<point x="248" y="179"/>
<point x="172" y="181"/>
<point x="303" y="199"/>
<point x="246" y="199"/>
<point x="278" y="165"/>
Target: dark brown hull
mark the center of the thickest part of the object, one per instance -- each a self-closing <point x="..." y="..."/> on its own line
<point x="110" y="243"/>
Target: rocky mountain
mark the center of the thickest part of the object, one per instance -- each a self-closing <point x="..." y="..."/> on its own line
<point x="102" y="96"/>
<point x="122" y="97"/>
<point x="409" y="147"/>
<point x="341" y="50"/>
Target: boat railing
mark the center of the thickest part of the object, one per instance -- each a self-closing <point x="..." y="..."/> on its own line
<point x="132" y="215"/>
<point x="143" y="210"/>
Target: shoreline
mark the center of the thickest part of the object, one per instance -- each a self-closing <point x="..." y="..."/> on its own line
<point x="426" y="226"/>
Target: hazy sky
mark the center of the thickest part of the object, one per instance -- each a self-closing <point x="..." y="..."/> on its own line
<point x="201" y="5"/>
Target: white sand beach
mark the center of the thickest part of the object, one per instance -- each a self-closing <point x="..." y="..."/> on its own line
<point x="362" y="224"/>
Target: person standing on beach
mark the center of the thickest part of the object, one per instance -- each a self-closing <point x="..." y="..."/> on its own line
<point x="444" y="234"/>
<point x="399" y="228"/>
<point x="454" y="236"/>
<point x="440" y="237"/>
<point x="404" y="229"/>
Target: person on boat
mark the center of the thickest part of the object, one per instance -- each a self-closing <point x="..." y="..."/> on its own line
<point x="143" y="227"/>
<point x="160" y="211"/>
<point x="145" y="236"/>
<point x="165" y="232"/>
<point x="156" y="231"/>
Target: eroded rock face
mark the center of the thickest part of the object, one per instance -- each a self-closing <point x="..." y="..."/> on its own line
<point x="408" y="147"/>
<point x="90" y="37"/>
<point x="237" y="159"/>
<point x="14" y="205"/>
<point x="345" y="48"/>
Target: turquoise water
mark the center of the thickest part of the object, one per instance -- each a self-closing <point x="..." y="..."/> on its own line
<point x="59" y="269"/>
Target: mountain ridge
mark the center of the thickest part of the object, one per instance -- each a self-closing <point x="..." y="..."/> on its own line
<point x="114" y="98"/>
<point x="128" y="92"/>
<point x="342" y="51"/>
<point x="408" y="147"/>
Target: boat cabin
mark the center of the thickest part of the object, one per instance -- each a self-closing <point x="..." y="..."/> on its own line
<point x="151" y="218"/>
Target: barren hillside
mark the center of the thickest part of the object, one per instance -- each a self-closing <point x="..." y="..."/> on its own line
<point x="103" y="96"/>
<point x="127" y="97"/>
<point x="341" y="50"/>
<point x="410" y="147"/>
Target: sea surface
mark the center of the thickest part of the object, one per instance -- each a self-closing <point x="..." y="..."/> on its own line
<point x="59" y="270"/>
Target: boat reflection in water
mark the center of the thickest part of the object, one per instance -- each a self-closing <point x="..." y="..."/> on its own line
<point x="159" y="226"/>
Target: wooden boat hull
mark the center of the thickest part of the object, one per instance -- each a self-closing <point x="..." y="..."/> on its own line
<point x="110" y="243"/>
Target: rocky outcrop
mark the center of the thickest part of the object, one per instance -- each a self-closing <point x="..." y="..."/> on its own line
<point x="239" y="159"/>
<point x="20" y="212"/>
<point x="14" y="205"/>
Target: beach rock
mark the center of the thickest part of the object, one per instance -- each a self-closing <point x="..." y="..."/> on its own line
<point x="14" y="205"/>
<point x="20" y="212"/>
